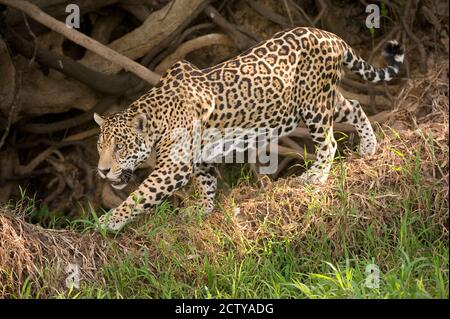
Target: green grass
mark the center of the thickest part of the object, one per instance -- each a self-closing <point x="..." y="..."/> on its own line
<point x="414" y="269"/>
<point x="413" y="265"/>
<point x="409" y="248"/>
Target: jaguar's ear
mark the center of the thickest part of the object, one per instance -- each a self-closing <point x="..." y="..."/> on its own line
<point x="140" y="123"/>
<point x="98" y="119"/>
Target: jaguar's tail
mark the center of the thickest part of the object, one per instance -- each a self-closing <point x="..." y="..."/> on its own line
<point x="393" y="53"/>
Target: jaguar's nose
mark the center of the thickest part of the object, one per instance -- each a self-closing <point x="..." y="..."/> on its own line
<point x="103" y="172"/>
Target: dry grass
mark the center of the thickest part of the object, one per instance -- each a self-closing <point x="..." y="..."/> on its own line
<point x="26" y="249"/>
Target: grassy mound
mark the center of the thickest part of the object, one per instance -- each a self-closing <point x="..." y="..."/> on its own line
<point x="385" y="215"/>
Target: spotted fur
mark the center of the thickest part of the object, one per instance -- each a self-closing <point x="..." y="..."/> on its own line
<point x="290" y="78"/>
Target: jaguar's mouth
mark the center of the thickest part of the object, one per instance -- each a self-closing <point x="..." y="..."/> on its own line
<point x="122" y="181"/>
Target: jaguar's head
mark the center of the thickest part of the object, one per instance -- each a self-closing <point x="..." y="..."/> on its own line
<point x="123" y="145"/>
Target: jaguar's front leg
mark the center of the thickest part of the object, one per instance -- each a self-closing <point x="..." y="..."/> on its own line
<point x="205" y="179"/>
<point x="161" y="183"/>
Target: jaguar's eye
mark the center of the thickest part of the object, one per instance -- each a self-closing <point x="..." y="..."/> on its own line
<point x="118" y="147"/>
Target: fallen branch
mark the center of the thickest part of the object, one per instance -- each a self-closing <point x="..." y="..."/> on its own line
<point x="364" y="99"/>
<point x="241" y="40"/>
<point x="57" y="8"/>
<point x="346" y="81"/>
<point x="192" y="45"/>
<point x="175" y="16"/>
<point x="104" y="83"/>
<point x="104" y="26"/>
<point x="41" y="94"/>
<point x="10" y="85"/>
<point x="82" y="135"/>
<point x="269" y="14"/>
<point x="175" y="42"/>
<point x="295" y="153"/>
<point x="140" y="11"/>
<point x="47" y="128"/>
<point x="83" y="40"/>
<point x="281" y="166"/>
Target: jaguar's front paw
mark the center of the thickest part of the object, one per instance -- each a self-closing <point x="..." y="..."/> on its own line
<point x="207" y="209"/>
<point x="367" y="148"/>
<point x="110" y="222"/>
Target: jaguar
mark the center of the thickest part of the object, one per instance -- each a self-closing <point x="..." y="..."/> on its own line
<point x="289" y="79"/>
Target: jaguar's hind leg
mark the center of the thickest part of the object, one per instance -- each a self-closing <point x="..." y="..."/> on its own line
<point x="320" y="125"/>
<point x="205" y="180"/>
<point x="351" y="112"/>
